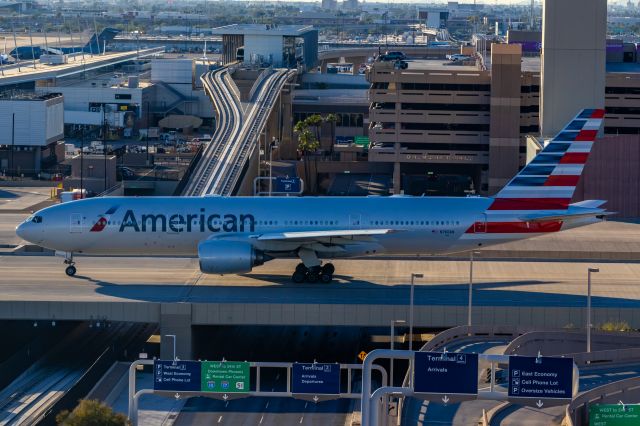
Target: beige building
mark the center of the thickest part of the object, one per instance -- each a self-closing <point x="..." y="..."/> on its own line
<point x="434" y="119"/>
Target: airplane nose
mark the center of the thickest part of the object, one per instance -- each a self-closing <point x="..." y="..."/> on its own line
<point x="21" y="231"/>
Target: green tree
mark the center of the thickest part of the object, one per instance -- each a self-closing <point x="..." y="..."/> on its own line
<point x="332" y="119"/>
<point x="91" y="413"/>
<point x="307" y="142"/>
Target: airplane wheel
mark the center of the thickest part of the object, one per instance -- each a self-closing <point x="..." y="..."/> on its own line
<point x="298" y="277"/>
<point x="301" y="268"/>
<point x="70" y="270"/>
<point x="328" y="269"/>
<point x="313" y="276"/>
<point x="326" y="278"/>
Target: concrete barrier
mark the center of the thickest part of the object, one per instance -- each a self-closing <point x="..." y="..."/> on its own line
<point x="577" y="412"/>
<point x="611" y="356"/>
<point x="564" y="342"/>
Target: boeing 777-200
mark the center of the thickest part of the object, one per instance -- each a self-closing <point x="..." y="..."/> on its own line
<point x="231" y="235"/>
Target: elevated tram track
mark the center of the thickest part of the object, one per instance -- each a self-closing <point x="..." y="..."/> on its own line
<point x="234" y="142"/>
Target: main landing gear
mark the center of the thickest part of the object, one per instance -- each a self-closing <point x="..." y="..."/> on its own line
<point x="313" y="274"/>
<point x="70" y="270"/>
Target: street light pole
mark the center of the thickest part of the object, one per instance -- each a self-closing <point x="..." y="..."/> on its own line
<point x="413" y="277"/>
<point x="589" y="271"/>
<point x="174" y="345"/>
<point x="471" y="253"/>
<point x="393" y="340"/>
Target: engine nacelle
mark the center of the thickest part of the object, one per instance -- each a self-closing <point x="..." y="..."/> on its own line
<point x="228" y="257"/>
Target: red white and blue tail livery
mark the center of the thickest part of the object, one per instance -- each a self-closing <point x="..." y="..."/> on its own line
<point x="234" y="234"/>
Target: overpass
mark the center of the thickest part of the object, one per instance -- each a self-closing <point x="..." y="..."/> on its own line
<point x="173" y="293"/>
<point x="25" y="72"/>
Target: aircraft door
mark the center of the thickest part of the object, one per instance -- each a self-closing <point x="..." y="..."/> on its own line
<point x="480" y="225"/>
<point x="75" y="223"/>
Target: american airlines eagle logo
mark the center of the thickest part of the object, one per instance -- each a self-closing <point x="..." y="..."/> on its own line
<point x="103" y="220"/>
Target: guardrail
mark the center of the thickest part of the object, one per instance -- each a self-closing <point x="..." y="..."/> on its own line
<point x="610" y="356"/>
<point x="559" y="342"/>
<point x="577" y="412"/>
<point x="256" y="84"/>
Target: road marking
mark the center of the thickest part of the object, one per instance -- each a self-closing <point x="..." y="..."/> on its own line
<point x="301" y="419"/>
<point x="305" y="404"/>
<point x="266" y="405"/>
<point x="261" y="419"/>
<point x="219" y="419"/>
<point x="226" y="404"/>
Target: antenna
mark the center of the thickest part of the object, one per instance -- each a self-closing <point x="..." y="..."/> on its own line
<point x="531" y="18"/>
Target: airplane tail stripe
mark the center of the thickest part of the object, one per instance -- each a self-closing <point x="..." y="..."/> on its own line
<point x="530" y="204"/>
<point x="515" y="227"/>
<point x="574" y="158"/>
<point x="562" y="180"/>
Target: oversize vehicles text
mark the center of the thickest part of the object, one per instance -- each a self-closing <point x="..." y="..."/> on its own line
<point x="196" y="222"/>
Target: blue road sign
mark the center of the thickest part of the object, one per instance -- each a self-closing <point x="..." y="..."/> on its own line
<point x="176" y="376"/>
<point x="540" y="377"/>
<point x="316" y="379"/>
<point x="446" y="373"/>
<point x="287" y="185"/>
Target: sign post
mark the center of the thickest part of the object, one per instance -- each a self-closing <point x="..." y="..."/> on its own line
<point x="316" y="382"/>
<point x="541" y="381"/>
<point x="446" y="377"/>
<point x="614" y="415"/>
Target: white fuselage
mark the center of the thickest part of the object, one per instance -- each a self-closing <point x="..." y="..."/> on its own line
<point x="176" y="225"/>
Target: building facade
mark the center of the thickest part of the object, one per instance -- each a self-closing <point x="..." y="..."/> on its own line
<point x="433" y="120"/>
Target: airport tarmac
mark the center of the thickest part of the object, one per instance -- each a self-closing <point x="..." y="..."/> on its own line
<point x="368" y="281"/>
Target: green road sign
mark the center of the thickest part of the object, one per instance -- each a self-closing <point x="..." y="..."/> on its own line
<point x="224" y="376"/>
<point x="614" y="415"/>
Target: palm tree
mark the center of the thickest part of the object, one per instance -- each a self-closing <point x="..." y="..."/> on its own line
<point x="307" y="142"/>
<point x="332" y="119"/>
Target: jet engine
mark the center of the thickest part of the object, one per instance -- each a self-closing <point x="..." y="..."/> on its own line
<point x="229" y="257"/>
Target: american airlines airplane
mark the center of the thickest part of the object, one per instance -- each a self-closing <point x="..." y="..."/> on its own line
<point x="231" y="235"/>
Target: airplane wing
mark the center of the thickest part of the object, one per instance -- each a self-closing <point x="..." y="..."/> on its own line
<point x="313" y="236"/>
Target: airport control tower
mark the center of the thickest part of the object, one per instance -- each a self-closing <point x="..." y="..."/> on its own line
<point x="573" y="60"/>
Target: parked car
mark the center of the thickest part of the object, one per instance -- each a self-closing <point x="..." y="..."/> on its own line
<point x="394" y="56"/>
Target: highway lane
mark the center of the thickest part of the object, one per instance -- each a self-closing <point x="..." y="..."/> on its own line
<point x="368" y="281"/>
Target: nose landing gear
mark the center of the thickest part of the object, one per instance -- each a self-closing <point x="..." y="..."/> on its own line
<point x="70" y="270"/>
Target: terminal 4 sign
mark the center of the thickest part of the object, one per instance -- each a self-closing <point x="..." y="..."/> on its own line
<point x="315" y="379"/>
<point x="543" y="381"/>
<point x="206" y="376"/>
<point x="446" y="374"/>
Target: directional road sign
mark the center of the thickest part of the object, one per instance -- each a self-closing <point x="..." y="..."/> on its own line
<point x="225" y="377"/>
<point x="614" y="415"/>
<point x="543" y="380"/>
<point x="315" y="379"/>
<point x="446" y="374"/>
<point x="176" y="376"/>
<point x="287" y="185"/>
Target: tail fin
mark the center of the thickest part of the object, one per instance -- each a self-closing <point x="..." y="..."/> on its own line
<point x="549" y="180"/>
<point x="96" y="43"/>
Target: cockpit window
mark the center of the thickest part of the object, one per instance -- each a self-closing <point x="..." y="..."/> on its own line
<point x="37" y="219"/>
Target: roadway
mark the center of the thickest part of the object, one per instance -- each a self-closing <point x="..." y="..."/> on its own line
<point x="367" y="281"/>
